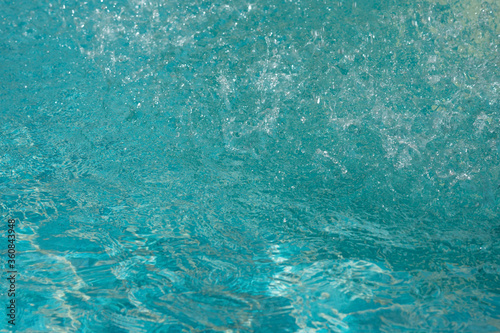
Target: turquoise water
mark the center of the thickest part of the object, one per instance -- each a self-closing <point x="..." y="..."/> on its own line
<point x="266" y="166"/>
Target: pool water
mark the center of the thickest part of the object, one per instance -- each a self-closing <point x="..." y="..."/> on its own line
<point x="265" y="166"/>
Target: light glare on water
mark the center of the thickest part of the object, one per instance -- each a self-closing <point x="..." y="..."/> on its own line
<point x="273" y="166"/>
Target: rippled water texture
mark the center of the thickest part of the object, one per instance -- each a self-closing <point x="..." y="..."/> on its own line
<point x="266" y="166"/>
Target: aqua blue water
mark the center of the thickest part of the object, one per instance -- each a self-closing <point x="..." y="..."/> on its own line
<point x="265" y="166"/>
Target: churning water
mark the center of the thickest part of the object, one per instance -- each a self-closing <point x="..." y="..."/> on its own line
<point x="264" y="166"/>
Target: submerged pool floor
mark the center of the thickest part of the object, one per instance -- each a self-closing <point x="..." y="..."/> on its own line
<point x="266" y="166"/>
